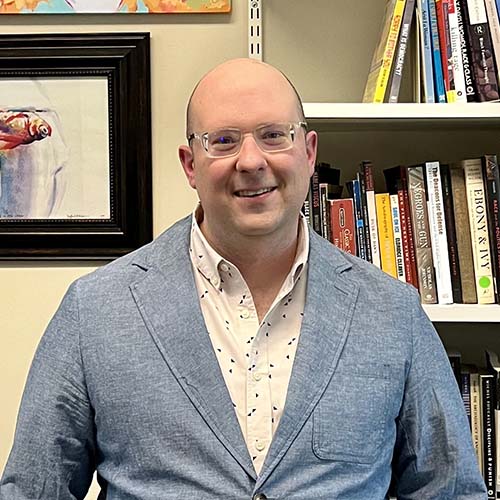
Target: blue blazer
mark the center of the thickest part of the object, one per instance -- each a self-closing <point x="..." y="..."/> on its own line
<point x="125" y="381"/>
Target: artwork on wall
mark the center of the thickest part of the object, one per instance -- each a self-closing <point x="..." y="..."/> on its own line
<point x="75" y="145"/>
<point x="112" y="6"/>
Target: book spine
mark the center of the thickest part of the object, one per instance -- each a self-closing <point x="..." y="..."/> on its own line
<point x="358" y="214"/>
<point x="462" y="228"/>
<point x="439" y="238"/>
<point x="343" y="224"/>
<point x="325" y="211"/>
<point x="378" y="78"/>
<point x="470" y="81"/>
<point x="364" y="213"/>
<point x="449" y="218"/>
<point x="481" y="45"/>
<point x="436" y="55"/>
<point x="316" y="210"/>
<point x="476" y="202"/>
<point x="398" y="238"/>
<point x="423" y="17"/>
<point x="405" y="239"/>
<point x="306" y="209"/>
<point x="476" y="418"/>
<point x="465" y="391"/>
<point x="385" y="233"/>
<point x="492" y="185"/>
<point x="372" y="212"/>
<point x="411" y="245"/>
<point x="489" y="441"/>
<point x="456" y="50"/>
<point x="494" y="25"/>
<point x="402" y="45"/>
<point x="442" y="12"/>
<point x="422" y="242"/>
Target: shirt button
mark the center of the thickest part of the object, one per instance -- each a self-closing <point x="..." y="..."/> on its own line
<point x="245" y="313"/>
<point x="260" y="496"/>
<point x="257" y="376"/>
<point x="215" y="282"/>
<point x="224" y="267"/>
<point x="260" y="446"/>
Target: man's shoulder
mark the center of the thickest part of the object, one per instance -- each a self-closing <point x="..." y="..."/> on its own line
<point x="172" y="244"/>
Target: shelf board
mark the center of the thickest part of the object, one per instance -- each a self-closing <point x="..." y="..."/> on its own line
<point x="402" y="111"/>
<point x="465" y="313"/>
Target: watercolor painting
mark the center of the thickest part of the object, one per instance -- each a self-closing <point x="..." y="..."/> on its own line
<point x="54" y="148"/>
<point x="114" y="6"/>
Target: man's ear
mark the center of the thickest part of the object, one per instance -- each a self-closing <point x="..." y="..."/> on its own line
<point x="311" y="149"/>
<point x="187" y="161"/>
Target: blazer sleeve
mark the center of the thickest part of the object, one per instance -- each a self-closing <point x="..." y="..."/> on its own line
<point x="434" y="456"/>
<point x="53" y="455"/>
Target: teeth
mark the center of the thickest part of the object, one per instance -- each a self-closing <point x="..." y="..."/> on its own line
<point x="254" y="193"/>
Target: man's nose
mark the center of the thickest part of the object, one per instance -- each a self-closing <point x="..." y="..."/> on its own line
<point x="250" y="156"/>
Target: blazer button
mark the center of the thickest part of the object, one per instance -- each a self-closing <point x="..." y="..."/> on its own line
<point x="260" y="496"/>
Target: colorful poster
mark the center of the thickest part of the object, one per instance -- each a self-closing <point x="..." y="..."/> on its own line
<point x="113" y="6"/>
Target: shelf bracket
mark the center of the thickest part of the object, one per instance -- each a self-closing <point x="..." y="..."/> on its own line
<point x="255" y="29"/>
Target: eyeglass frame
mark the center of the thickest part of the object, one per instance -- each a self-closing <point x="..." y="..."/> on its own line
<point x="203" y="137"/>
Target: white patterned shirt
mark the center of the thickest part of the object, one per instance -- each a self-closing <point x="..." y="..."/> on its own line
<point x="255" y="358"/>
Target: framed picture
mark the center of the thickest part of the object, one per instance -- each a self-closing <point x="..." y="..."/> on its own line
<point x="75" y="145"/>
<point x="112" y="6"/>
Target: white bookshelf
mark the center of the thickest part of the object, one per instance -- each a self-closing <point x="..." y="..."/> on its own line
<point x="406" y="133"/>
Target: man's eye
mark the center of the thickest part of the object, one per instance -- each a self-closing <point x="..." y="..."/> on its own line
<point x="223" y="140"/>
<point x="273" y="135"/>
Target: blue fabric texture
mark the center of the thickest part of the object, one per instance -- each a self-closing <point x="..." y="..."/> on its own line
<point x="125" y="381"/>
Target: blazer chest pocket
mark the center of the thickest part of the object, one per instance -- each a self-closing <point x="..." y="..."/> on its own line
<point x="351" y="418"/>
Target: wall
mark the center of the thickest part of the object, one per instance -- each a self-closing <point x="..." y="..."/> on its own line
<point x="313" y="42"/>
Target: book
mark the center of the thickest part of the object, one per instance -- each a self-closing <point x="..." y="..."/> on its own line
<point x="324" y="206"/>
<point x="386" y="234"/>
<point x="425" y="47"/>
<point x="465" y="391"/>
<point x="401" y="48"/>
<point x="354" y="192"/>
<point x="476" y="418"/>
<point x="396" y="182"/>
<point x="398" y="239"/>
<point x="470" y="81"/>
<point x="439" y="237"/>
<point x="481" y="46"/>
<point x="314" y="203"/>
<point x="439" y="86"/>
<point x="383" y="57"/>
<point x="442" y="12"/>
<point x="463" y="233"/>
<point x="488" y="433"/>
<point x="372" y="212"/>
<point x="493" y="365"/>
<point x="478" y="220"/>
<point x="492" y="186"/>
<point x="494" y="25"/>
<point x="449" y="218"/>
<point x="343" y="228"/>
<point x="455" y="26"/>
<point x="421" y="234"/>
<point x="360" y="176"/>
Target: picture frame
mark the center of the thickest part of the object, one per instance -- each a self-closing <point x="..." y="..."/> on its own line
<point x="75" y="145"/>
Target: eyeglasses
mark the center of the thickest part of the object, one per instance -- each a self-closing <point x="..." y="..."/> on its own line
<point x="271" y="138"/>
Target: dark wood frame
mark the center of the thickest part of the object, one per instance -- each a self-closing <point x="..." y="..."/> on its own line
<point x="124" y="58"/>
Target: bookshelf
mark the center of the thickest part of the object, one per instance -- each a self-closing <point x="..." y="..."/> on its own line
<point x="390" y="134"/>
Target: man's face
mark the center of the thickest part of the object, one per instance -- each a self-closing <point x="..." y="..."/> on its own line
<point x="247" y="95"/>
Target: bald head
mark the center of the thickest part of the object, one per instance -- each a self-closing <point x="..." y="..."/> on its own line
<point x="238" y="76"/>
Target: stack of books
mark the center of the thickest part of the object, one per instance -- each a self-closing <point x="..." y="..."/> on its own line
<point x="437" y="226"/>
<point x="458" y="51"/>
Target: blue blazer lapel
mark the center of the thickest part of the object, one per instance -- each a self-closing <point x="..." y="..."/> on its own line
<point x="330" y="301"/>
<point x="167" y="299"/>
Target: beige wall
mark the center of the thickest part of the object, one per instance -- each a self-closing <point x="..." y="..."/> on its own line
<point x="314" y="42"/>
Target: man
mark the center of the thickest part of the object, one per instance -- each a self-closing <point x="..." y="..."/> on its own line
<point x="239" y="355"/>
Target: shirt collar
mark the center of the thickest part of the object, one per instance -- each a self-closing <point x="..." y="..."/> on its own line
<point x="208" y="261"/>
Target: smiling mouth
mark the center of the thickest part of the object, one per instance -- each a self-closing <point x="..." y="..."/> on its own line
<point x="247" y="193"/>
